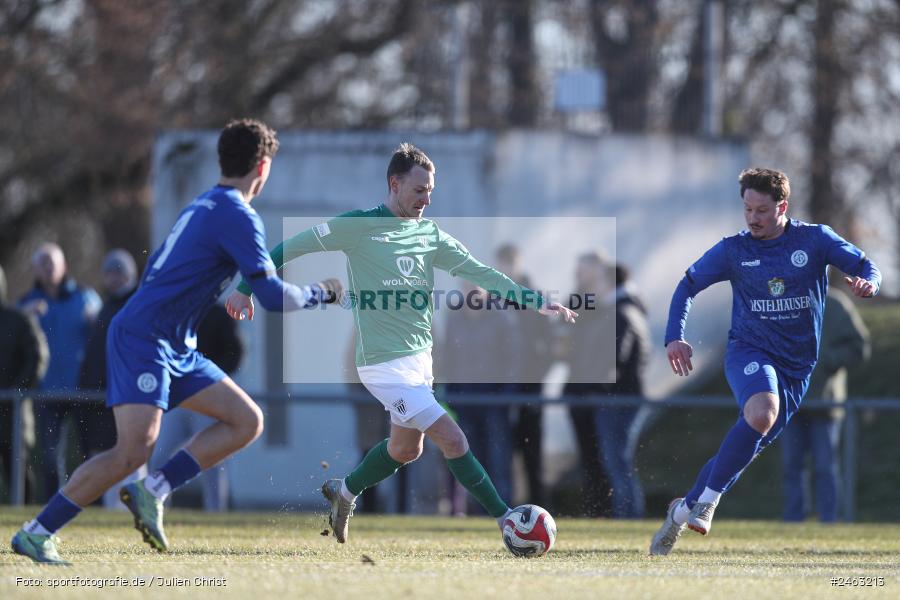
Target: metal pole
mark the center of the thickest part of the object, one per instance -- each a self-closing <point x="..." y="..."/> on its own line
<point x="849" y="454"/>
<point x="713" y="42"/>
<point x="17" y="469"/>
<point x="461" y="65"/>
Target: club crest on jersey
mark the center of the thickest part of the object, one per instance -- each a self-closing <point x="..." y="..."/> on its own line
<point x="406" y="265"/>
<point x="776" y="286"/>
<point x="147" y="382"/>
<point x="400" y="406"/>
<point x="799" y="258"/>
<point x="751" y="368"/>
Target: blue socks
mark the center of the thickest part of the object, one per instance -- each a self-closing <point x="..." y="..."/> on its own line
<point x="180" y="469"/>
<point x="59" y="511"/>
<point x="691" y="498"/>
<point x="738" y="449"/>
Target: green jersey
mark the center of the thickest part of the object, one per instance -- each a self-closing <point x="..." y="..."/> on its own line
<point x="390" y="273"/>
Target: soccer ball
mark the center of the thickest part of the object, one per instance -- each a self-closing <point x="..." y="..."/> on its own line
<point x="529" y="531"/>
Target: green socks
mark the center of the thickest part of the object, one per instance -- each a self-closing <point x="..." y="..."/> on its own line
<point x="376" y="466"/>
<point x="469" y="472"/>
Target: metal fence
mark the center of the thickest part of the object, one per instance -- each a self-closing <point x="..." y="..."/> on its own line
<point x="850" y="433"/>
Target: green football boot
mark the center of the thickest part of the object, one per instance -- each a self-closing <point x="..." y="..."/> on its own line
<point x="37" y="547"/>
<point x="148" y="514"/>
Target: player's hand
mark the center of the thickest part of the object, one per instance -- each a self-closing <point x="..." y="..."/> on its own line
<point x="558" y="309"/>
<point x="680" y="353"/>
<point x="332" y="289"/>
<point x="861" y="287"/>
<point x="238" y="304"/>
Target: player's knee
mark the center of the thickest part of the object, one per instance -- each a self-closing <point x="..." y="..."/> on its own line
<point x="456" y="445"/>
<point x="131" y="456"/>
<point x="762" y="420"/>
<point x="252" y="424"/>
<point x="406" y="454"/>
<point x="761" y="413"/>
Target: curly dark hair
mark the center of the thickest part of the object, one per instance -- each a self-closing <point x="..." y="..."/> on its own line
<point x="765" y="181"/>
<point x="243" y="144"/>
<point x="405" y="157"/>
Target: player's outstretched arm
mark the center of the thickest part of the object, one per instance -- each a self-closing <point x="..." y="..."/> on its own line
<point x="864" y="276"/>
<point x="277" y="295"/>
<point x="553" y="308"/>
<point x="711" y="268"/>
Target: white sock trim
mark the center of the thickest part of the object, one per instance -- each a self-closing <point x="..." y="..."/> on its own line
<point x="157" y="484"/>
<point x="347" y="494"/>
<point x="34" y="526"/>
<point x="681" y="513"/>
<point x="711" y="496"/>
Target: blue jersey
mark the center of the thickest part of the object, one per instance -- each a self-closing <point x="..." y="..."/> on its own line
<point x="778" y="289"/>
<point x="215" y="236"/>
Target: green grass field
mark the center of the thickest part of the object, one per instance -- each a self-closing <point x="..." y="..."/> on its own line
<point x="283" y="555"/>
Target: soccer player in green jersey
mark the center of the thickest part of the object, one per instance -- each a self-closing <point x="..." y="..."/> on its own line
<point x="391" y="256"/>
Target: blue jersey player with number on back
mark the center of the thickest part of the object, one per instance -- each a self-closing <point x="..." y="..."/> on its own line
<point x="153" y="364"/>
<point x="777" y="269"/>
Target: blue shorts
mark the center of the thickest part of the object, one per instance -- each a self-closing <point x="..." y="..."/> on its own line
<point x="142" y="370"/>
<point x="750" y="371"/>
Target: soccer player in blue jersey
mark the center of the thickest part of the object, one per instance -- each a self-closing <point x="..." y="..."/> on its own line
<point x="153" y="365"/>
<point x="777" y="269"/>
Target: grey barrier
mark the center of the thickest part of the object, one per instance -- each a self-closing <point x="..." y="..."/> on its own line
<point x="850" y="433"/>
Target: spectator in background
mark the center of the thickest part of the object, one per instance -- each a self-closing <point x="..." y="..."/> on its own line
<point x="217" y="340"/>
<point x="589" y="350"/>
<point x="65" y="311"/>
<point x="23" y="361"/>
<point x="97" y="427"/>
<point x="618" y="427"/>
<point x="474" y="357"/>
<point x="533" y="357"/>
<point x="844" y="344"/>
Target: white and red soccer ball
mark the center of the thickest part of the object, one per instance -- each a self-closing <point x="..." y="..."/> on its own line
<point x="529" y="531"/>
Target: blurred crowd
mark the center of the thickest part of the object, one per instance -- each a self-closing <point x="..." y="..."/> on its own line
<point x="54" y="340"/>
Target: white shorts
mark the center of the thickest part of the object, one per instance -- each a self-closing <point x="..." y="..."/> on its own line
<point x="403" y="386"/>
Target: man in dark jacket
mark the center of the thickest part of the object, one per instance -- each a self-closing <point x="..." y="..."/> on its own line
<point x="534" y="356"/>
<point x="474" y="356"/>
<point x="618" y="427"/>
<point x="844" y="343"/>
<point x="589" y="353"/>
<point x="23" y="361"/>
<point x="65" y="311"/>
<point x="97" y="427"/>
